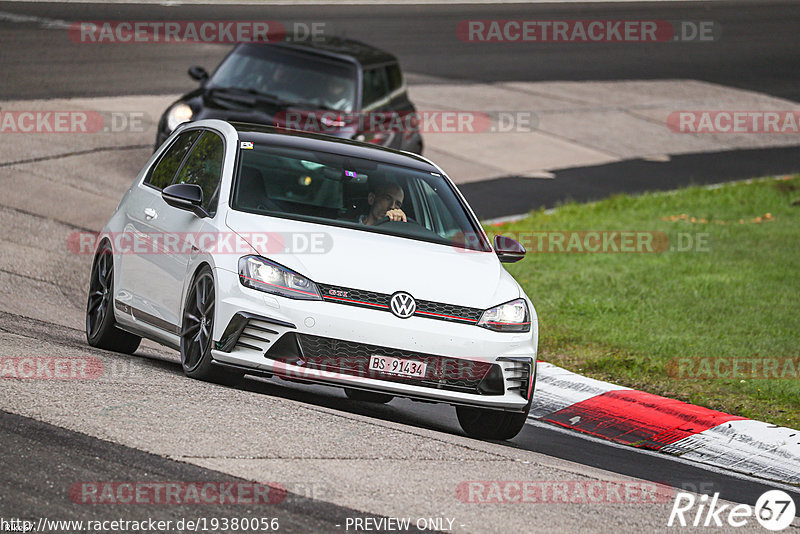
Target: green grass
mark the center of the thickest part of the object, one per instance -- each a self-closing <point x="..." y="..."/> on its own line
<point x="623" y="317"/>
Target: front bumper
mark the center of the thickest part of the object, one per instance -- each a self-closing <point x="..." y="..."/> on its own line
<point x="330" y="343"/>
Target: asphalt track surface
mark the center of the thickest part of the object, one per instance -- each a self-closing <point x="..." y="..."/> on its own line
<point x="757" y="48"/>
<point x="513" y="195"/>
<point x="41" y="460"/>
<point x="757" y="51"/>
<point x="549" y="440"/>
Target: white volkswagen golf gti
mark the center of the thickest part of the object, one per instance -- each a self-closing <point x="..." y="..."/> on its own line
<point x="269" y="252"/>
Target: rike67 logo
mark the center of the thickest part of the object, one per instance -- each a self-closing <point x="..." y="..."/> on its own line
<point x="774" y="510"/>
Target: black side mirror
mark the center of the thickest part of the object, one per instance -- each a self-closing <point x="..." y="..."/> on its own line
<point x="507" y="249"/>
<point x="187" y="197"/>
<point x="198" y="73"/>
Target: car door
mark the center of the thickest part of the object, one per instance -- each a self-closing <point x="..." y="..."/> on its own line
<point x="181" y="232"/>
<point x="135" y="247"/>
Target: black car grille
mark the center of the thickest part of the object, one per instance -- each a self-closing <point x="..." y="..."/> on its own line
<point x="353" y="359"/>
<point x="448" y="312"/>
<point x="380" y="301"/>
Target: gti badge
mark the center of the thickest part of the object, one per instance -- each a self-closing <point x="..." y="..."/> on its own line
<point x="403" y="305"/>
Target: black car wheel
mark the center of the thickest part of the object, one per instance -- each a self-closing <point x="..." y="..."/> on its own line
<point x="101" y="330"/>
<point x="482" y="423"/>
<point x="197" y="332"/>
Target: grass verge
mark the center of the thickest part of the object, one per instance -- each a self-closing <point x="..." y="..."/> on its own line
<point x="724" y="297"/>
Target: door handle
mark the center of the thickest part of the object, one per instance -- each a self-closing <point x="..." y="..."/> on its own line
<point x="150" y="213"/>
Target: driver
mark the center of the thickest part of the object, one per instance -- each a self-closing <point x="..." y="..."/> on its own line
<point x="281" y="80"/>
<point x="385" y="200"/>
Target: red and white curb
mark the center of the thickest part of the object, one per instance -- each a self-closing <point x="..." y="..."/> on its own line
<point x="644" y="420"/>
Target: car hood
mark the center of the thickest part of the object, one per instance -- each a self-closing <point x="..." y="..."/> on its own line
<point x="233" y="108"/>
<point x="376" y="262"/>
<point x="230" y="109"/>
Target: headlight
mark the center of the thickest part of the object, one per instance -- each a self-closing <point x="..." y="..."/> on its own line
<point x="178" y="114"/>
<point x="509" y="317"/>
<point x="259" y="273"/>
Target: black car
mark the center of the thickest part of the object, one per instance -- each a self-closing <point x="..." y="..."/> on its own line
<point x="334" y="86"/>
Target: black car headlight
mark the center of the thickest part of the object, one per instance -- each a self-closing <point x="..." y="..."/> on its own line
<point x="509" y="317"/>
<point x="259" y="273"/>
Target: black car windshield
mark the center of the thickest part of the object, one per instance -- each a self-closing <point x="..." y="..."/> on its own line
<point x="287" y="76"/>
<point x="356" y="193"/>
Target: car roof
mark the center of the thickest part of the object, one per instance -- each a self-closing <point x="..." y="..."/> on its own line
<point x="340" y="48"/>
<point x="256" y="133"/>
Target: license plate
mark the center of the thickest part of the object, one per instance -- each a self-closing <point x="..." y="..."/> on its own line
<point x="397" y="366"/>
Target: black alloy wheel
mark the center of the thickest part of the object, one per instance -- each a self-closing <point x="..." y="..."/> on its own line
<point x="101" y="329"/>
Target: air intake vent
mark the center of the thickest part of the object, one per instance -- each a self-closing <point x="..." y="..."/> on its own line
<point x="247" y="331"/>
<point x="517" y="371"/>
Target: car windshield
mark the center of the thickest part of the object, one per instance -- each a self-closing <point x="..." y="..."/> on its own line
<point x="288" y="77"/>
<point x="356" y="193"/>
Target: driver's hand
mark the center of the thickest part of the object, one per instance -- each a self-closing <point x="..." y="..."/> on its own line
<point x="396" y="215"/>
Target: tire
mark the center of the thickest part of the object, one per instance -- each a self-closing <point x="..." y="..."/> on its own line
<point x="481" y="423"/>
<point x="367" y="396"/>
<point x="197" y="333"/>
<point x="101" y="329"/>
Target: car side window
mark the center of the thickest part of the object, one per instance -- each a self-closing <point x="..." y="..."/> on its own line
<point x="164" y="171"/>
<point x="375" y="86"/>
<point x="394" y="76"/>
<point x="204" y="168"/>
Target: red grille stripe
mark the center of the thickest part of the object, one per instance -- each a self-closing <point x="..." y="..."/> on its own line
<point x="356" y="301"/>
<point x="447" y="316"/>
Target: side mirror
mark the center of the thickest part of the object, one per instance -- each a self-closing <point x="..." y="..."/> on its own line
<point x="198" y="73"/>
<point x="187" y="197"/>
<point x="507" y="249"/>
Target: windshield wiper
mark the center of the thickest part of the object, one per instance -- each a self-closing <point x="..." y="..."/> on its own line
<point x="312" y="105"/>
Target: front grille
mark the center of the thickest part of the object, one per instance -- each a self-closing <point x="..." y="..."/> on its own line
<point x="448" y="312"/>
<point x="380" y="301"/>
<point x="354" y="297"/>
<point x="352" y="359"/>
